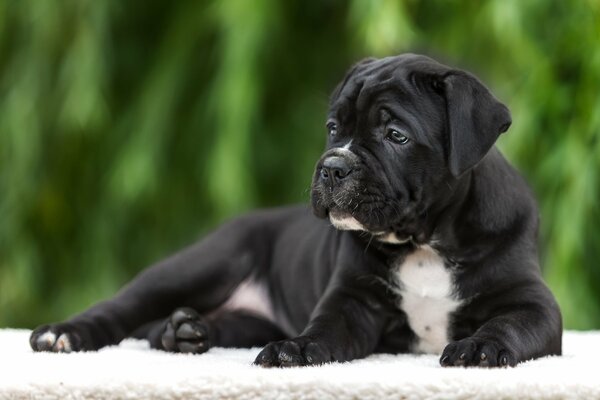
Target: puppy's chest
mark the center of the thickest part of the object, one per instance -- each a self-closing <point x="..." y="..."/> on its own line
<point x="427" y="296"/>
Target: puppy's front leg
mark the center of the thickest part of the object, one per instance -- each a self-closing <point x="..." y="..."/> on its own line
<point x="526" y="325"/>
<point x="347" y="322"/>
<point x="346" y="325"/>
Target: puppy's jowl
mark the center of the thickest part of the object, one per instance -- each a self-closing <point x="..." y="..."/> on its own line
<point x="424" y="240"/>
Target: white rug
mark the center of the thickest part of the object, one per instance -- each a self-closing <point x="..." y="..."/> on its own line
<point x="132" y="370"/>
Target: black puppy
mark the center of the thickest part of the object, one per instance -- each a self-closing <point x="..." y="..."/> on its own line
<point x="435" y="247"/>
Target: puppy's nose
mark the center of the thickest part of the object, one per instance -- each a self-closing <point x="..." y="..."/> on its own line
<point x="334" y="169"/>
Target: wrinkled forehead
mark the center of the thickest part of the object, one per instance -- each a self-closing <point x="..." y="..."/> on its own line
<point x="393" y="83"/>
<point x="374" y="76"/>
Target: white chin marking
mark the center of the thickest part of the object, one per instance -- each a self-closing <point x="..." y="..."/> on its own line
<point x="346" y="223"/>
<point x="392" y="239"/>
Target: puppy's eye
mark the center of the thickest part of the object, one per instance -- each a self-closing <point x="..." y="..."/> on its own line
<point x="332" y="128"/>
<point x="397" y="136"/>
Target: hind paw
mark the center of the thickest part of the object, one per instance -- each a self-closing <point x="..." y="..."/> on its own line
<point x="186" y="332"/>
<point x="57" y="338"/>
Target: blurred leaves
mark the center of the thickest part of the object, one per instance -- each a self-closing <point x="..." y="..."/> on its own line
<point x="127" y="129"/>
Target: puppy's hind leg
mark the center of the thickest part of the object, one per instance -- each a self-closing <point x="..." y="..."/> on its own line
<point x="186" y="331"/>
<point x="204" y="275"/>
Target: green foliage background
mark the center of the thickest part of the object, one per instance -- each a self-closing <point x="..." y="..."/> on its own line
<point x="129" y="128"/>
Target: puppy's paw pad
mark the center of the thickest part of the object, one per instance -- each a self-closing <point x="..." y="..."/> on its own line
<point x="186" y="332"/>
<point x="476" y="352"/>
<point x="301" y="351"/>
<point x="54" y="339"/>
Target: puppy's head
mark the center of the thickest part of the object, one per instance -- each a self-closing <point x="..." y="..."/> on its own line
<point x="401" y="132"/>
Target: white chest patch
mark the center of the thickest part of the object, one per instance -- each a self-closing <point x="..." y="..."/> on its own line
<point x="428" y="299"/>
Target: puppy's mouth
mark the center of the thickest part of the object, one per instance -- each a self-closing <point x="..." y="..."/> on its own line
<point x="346" y="209"/>
<point x="344" y="192"/>
<point x="343" y="208"/>
<point x="351" y="207"/>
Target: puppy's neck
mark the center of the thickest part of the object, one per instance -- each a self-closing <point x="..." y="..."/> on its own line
<point x="444" y="213"/>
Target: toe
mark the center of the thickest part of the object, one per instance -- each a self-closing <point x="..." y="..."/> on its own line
<point x="182" y="315"/>
<point x="314" y="354"/>
<point x="290" y="355"/>
<point x="191" y="330"/>
<point x="487" y="355"/>
<point x="43" y="340"/>
<point x="63" y="344"/>
<point x="505" y="359"/>
<point x="192" y="347"/>
<point x="459" y="354"/>
<point x="268" y="356"/>
<point x="484" y="359"/>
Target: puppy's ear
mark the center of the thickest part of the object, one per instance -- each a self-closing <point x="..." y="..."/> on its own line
<point x="475" y="119"/>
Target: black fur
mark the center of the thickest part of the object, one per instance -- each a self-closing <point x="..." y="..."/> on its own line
<point x="446" y="187"/>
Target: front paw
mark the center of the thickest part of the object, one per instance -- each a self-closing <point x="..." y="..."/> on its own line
<point x="477" y="352"/>
<point x="57" y="338"/>
<point x="300" y="351"/>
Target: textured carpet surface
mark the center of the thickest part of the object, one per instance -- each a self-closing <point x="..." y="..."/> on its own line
<point x="131" y="370"/>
